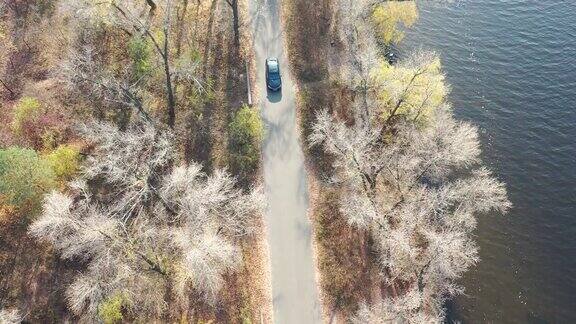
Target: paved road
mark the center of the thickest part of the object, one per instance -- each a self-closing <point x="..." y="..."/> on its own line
<point x="294" y="289"/>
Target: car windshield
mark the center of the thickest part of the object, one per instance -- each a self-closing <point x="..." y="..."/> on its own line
<point x="273" y="67"/>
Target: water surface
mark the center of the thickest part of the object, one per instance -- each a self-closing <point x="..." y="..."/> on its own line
<point x="512" y="66"/>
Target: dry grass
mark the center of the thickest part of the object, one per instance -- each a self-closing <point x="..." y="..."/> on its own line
<point x="344" y="254"/>
<point x="32" y="277"/>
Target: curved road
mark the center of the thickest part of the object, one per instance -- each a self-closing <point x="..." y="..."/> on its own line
<point x="295" y="295"/>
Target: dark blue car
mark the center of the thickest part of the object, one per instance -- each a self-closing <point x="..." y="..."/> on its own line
<point x="273" y="80"/>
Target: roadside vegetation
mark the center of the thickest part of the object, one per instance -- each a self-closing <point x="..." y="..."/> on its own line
<point x="246" y="133"/>
<point x="398" y="182"/>
<point x="119" y="121"/>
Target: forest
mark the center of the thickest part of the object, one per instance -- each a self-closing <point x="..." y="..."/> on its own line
<point x="130" y="163"/>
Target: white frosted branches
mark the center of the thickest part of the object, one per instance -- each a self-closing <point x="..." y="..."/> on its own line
<point x="148" y="232"/>
<point x="415" y="184"/>
<point x="10" y="316"/>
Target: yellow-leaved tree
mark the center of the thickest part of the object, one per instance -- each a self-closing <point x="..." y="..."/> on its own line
<point x="64" y="161"/>
<point x="412" y="89"/>
<point x="388" y="16"/>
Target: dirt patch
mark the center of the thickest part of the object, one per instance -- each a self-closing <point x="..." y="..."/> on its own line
<point x="32" y="277"/>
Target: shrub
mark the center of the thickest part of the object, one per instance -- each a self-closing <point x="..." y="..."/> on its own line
<point x="64" y="161"/>
<point x="51" y="137"/>
<point x="7" y="212"/>
<point x="139" y="51"/>
<point x="36" y="126"/>
<point x="245" y="136"/>
<point x="27" y="109"/>
<point x="110" y="310"/>
<point x="245" y="316"/>
<point x="24" y="177"/>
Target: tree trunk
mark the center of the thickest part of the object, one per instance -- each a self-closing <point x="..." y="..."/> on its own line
<point x="236" y="24"/>
<point x="208" y="39"/>
<point x="180" y="27"/>
<point x="169" y="89"/>
<point x="181" y="15"/>
<point x="152" y="6"/>
<point x="235" y="21"/>
<point x="12" y="94"/>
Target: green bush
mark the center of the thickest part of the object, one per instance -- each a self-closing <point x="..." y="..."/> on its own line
<point x="110" y="310"/>
<point x="51" y="138"/>
<point x="26" y="109"/>
<point x="140" y="53"/>
<point x="64" y="161"/>
<point x="246" y="133"/>
<point x="24" y="178"/>
<point x="245" y="316"/>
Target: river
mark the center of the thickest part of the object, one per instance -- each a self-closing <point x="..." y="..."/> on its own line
<point x="512" y="67"/>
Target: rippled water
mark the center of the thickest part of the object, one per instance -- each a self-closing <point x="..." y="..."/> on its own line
<point x="512" y="66"/>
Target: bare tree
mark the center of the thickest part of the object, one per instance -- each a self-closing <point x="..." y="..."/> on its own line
<point x="363" y="25"/>
<point x="156" y="234"/>
<point x="146" y="21"/>
<point x="360" y="50"/>
<point x="403" y="309"/>
<point x="81" y="71"/>
<point x="6" y="47"/>
<point x="412" y="89"/>
<point x="10" y="316"/>
<point x="416" y="186"/>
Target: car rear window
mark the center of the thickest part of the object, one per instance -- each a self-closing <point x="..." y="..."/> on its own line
<point x="273" y="66"/>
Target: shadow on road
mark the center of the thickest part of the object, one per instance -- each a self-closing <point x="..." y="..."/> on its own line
<point x="274" y="96"/>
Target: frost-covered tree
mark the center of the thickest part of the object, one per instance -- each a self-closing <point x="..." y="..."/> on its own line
<point x="10" y="316"/>
<point x="150" y="233"/>
<point x="412" y="177"/>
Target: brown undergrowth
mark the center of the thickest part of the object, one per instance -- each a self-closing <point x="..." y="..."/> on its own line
<point x="33" y="278"/>
<point x="346" y="269"/>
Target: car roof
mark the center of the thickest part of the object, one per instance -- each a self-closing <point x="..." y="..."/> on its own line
<point x="273" y="64"/>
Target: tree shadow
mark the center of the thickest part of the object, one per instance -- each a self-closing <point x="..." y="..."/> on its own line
<point x="274" y="96"/>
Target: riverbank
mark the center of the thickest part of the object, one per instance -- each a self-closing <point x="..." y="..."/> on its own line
<point x="384" y="248"/>
<point x="512" y="70"/>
